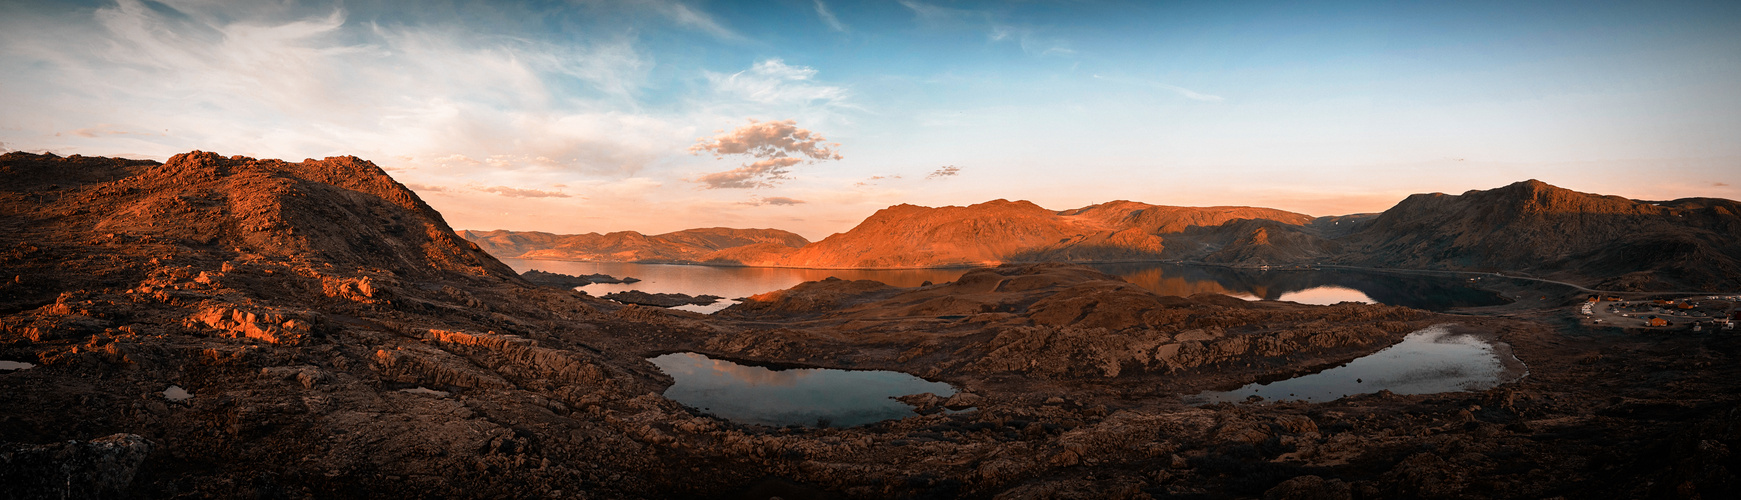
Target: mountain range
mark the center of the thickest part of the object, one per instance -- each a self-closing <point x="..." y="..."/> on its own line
<point x="1606" y="242"/>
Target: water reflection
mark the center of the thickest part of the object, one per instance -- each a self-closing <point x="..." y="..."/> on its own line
<point x="1327" y="295"/>
<point x="1304" y="286"/>
<point x="807" y="396"/>
<point x="1433" y="360"/>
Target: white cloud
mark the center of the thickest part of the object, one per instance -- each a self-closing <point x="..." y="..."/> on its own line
<point x="780" y="145"/>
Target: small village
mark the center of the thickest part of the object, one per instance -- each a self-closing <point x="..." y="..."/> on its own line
<point x="1714" y="313"/>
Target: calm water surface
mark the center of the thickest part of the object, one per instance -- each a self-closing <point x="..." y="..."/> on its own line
<point x="1433" y="360"/>
<point x="807" y="396"/>
<point x="1306" y="287"/>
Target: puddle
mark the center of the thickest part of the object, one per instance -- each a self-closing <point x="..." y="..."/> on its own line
<point x="807" y="396"/>
<point x="15" y="365"/>
<point x="717" y="306"/>
<point x="176" y="393"/>
<point x="1440" y="358"/>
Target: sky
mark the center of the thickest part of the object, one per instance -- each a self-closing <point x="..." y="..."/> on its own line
<point x="810" y="115"/>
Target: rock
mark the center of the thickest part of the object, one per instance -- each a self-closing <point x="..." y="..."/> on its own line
<point x="963" y="400"/>
<point x="923" y="403"/>
<point x="307" y="375"/>
<point x="99" y="468"/>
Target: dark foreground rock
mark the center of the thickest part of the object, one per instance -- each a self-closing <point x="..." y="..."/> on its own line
<point x="99" y="468"/>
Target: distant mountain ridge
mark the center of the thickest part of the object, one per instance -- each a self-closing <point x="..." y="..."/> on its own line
<point x="1604" y="241"/>
<point x="689" y="246"/>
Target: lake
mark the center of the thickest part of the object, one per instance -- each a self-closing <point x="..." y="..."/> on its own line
<point x="805" y="396"/>
<point x="1303" y="286"/>
<point x="1440" y="358"/>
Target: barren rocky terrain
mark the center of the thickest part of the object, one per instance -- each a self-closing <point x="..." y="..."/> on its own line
<point x="338" y="339"/>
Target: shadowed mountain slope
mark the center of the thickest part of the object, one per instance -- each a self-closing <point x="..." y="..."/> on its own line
<point x="1530" y="226"/>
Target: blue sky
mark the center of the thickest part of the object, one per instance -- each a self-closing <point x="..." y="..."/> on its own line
<point x="581" y="116"/>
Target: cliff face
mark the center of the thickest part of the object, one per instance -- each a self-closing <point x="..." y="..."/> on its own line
<point x="1535" y="227"/>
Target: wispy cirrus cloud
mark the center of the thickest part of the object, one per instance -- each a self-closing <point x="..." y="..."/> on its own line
<point x="828" y="17"/>
<point x="1030" y="39"/>
<point x="773" y="82"/>
<point x="684" y="15"/>
<point x="522" y="193"/>
<point x="772" y="200"/>
<point x="1181" y="91"/>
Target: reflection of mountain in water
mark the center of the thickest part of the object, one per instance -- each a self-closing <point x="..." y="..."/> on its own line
<point x="1420" y="292"/>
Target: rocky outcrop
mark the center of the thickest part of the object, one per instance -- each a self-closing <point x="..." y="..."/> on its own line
<point x="265" y="326"/>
